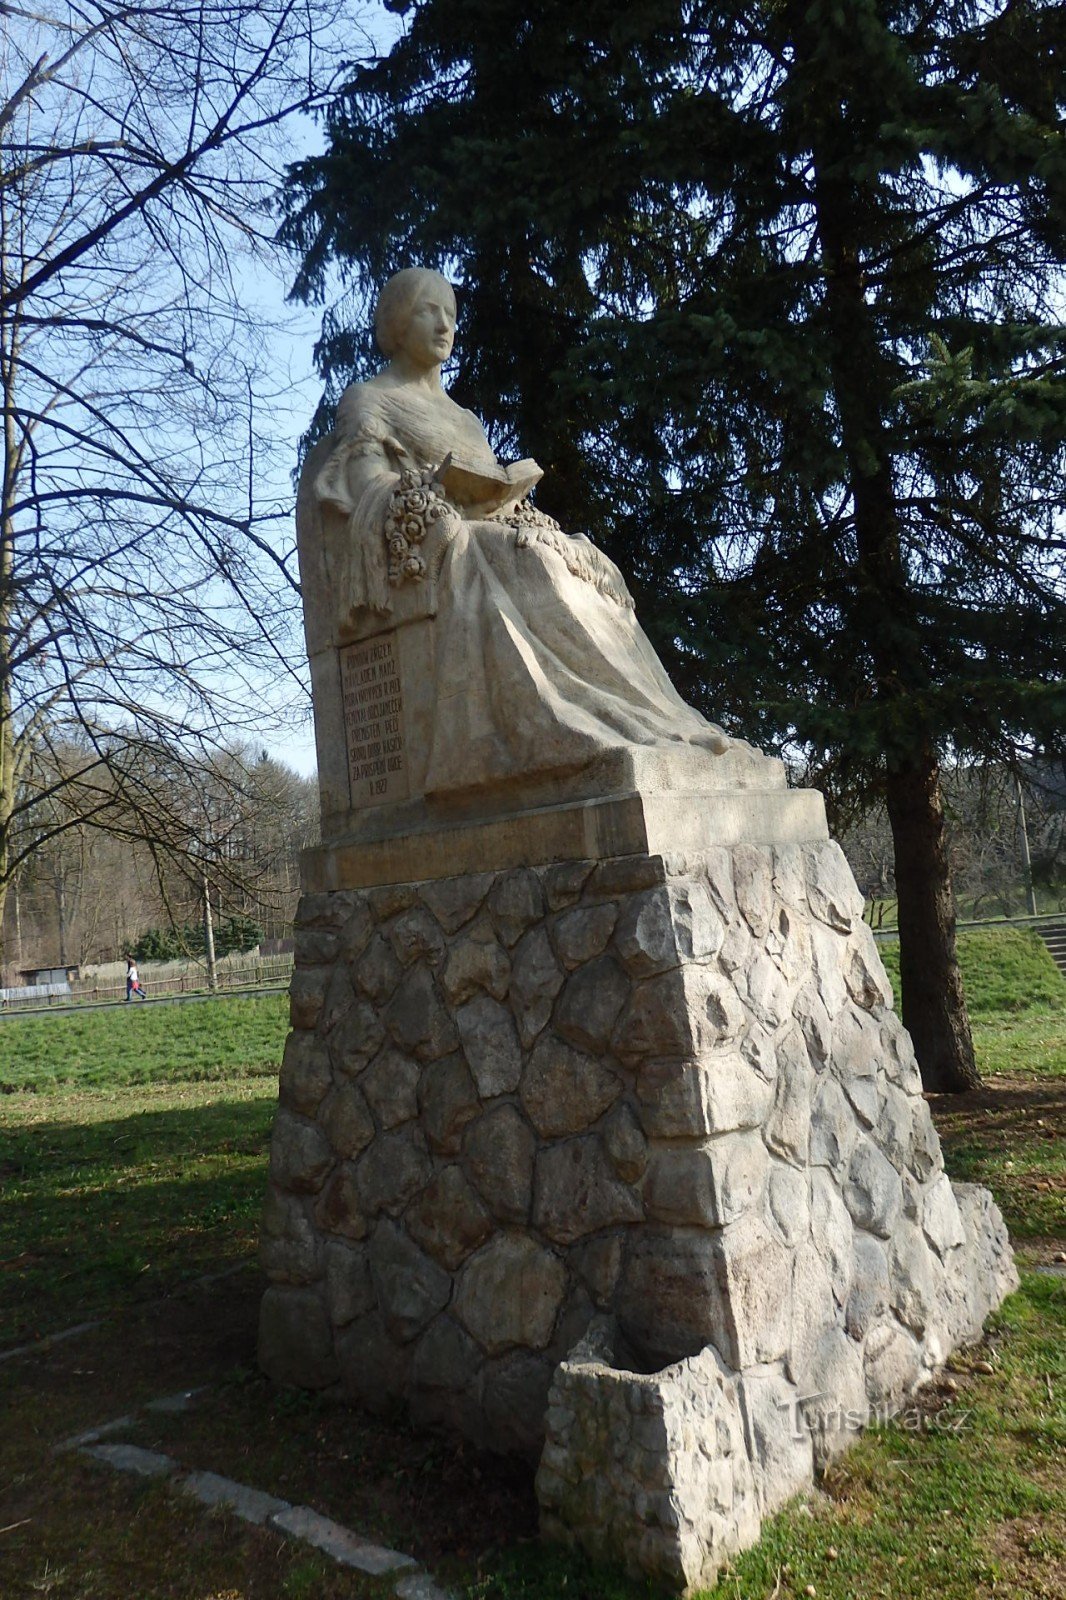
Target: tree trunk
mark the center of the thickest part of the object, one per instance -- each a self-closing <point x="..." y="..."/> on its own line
<point x="933" y="1005"/>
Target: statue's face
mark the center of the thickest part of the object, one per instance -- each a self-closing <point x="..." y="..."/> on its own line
<point x="430" y="331"/>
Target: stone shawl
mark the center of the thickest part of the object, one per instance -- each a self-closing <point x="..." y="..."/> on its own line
<point x="539" y="661"/>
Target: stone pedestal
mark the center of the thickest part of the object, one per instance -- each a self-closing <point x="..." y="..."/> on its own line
<point x="622" y="1163"/>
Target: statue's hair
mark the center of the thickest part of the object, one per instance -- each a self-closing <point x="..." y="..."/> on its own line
<point x="398" y="299"/>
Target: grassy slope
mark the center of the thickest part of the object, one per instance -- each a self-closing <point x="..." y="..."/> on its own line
<point x="1004" y="970"/>
<point x="189" y="1042"/>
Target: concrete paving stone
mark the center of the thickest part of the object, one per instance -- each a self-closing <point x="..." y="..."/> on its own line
<point x="300" y="1522"/>
<point x="420" y="1586"/>
<point x="251" y="1505"/>
<point x="38" y="1345"/>
<point x="131" y="1458"/>
<point x="175" y="1403"/>
<point x="92" y="1435"/>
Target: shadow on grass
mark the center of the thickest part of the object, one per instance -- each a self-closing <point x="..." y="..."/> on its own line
<point x="97" y="1213"/>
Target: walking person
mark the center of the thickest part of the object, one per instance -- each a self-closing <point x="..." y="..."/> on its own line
<point x="133" y="982"/>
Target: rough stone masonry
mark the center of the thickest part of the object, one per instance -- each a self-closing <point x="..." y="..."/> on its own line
<point x="624" y="1165"/>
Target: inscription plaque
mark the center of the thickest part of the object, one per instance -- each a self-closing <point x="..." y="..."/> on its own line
<point x="372" y="692"/>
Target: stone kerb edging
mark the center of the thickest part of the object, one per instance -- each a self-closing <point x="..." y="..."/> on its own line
<point x="669" y="1090"/>
<point x="259" y="1509"/>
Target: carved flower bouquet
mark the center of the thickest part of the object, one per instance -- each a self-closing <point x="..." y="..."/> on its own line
<point x="417" y="503"/>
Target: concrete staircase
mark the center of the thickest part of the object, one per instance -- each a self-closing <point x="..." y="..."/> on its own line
<point x="1053" y="933"/>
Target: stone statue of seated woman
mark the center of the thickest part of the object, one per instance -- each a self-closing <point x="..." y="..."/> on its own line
<point x="474" y="652"/>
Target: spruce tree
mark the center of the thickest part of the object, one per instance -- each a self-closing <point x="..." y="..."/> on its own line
<point x="774" y="291"/>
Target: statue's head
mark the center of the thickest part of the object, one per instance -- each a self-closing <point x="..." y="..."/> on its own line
<point x="400" y="298"/>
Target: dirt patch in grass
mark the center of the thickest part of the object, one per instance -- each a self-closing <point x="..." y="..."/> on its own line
<point x="1029" y="1557"/>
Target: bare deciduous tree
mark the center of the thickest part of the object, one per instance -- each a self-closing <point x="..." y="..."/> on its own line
<point x="146" y="599"/>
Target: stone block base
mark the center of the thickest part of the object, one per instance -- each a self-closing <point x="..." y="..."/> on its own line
<point x="623" y="1165"/>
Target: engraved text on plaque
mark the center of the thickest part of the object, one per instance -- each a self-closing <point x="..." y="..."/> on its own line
<point x="373" y="721"/>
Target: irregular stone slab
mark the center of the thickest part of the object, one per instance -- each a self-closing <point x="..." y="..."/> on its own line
<point x="707" y="1185"/>
<point x="92" y="1435"/>
<point x="510" y="1294"/>
<point x="625" y="1144"/>
<point x="447" y="1101"/>
<point x="386" y="899"/>
<point x="377" y="971"/>
<point x="341" y="1208"/>
<point x="417" y="1018"/>
<point x="339" y="1543"/>
<point x="300" y="1156"/>
<point x="582" y="933"/>
<point x="490" y="1045"/>
<point x="176" y="1404"/>
<point x="296" y="1339"/>
<point x="306" y="1075"/>
<point x="755" y="1272"/>
<point x="446" y="1357"/>
<point x="415" y="934"/>
<point x="390" y="1084"/>
<point x="669" y="1299"/>
<point x="131" y="1458"/>
<point x="656" y="1020"/>
<point x="753" y="886"/>
<point x="781" y="1451"/>
<point x="787" y="1127"/>
<point x="832" y="892"/>
<point x="868" y="1299"/>
<point x="250" y="1505"/>
<point x="514" y="1393"/>
<point x="516" y="901"/>
<point x="536" y="978"/>
<point x="475" y="961"/>
<point x="589" y="1004"/>
<point x="410" y="1288"/>
<point x="419" y="1586"/>
<point x="665" y="926"/>
<point x="358" y="1038"/>
<point x="454" y="901"/>
<point x="447" y="1219"/>
<point x="307" y="994"/>
<point x="788" y="1201"/>
<point x="290" y="1249"/>
<point x="374" y="1366"/>
<point x="563" y="883"/>
<point x="346" y="1120"/>
<point x="349" y="1287"/>
<point x="873" y="1192"/>
<point x="577" y="1191"/>
<point x="498" y="1151"/>
<point x="690" y="1098"/>
<point x="563" y="1090"/>
<point x="392" y="1170"/>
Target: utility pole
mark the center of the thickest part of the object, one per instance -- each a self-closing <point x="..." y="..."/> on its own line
<point x="1027" y="860"/>
<point x="209" y="938"/>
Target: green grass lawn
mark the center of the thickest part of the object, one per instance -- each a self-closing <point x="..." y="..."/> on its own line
<point x="132" y="1160"/>
<point x="186" y="1042"/>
